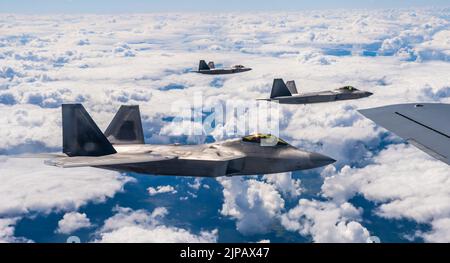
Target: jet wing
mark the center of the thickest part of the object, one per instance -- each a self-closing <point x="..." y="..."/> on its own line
<point x="213" y="154"/>
<point x="424" y="125"/>
<point x="217" y="159"/>
<point x="37" y="155"/>
<point x="112" y="159"/>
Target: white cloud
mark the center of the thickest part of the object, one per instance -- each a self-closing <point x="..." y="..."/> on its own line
<point x="73" y="221"/>
<point x="140" y="226"/>
<point x="29" y="185"/>
<point x="440" y="231"/>
<point x="29" y="125"/>
<point x="7" y="231"/>
<point x="250" y="201"/>
<point x="284" y="183"/>
<point x="158" y="234"/>
<point x="403" y="181"/>
<point x="326" y="221"/>
<point x="289" y="43"/>
<point x="161" y="189"/>
<point x="196" y="184"/>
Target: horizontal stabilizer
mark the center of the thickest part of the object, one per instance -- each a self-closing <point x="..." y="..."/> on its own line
<point x="114" y="159"/>
<point x="37" y="155"/>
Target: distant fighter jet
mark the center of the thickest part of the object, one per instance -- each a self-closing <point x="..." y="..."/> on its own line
<point x="212" y="70"/>
<point x="287" y="94"/>
<point x="425" y="125"/>
<point x="122" y="148"/>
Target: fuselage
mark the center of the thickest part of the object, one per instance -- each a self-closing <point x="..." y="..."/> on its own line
<point x="222" y="71"/>
<point x="228" y="158"/>
<point x="324" y="96"/>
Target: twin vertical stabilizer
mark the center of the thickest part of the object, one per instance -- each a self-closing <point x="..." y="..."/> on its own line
<point x="82" y="137"/>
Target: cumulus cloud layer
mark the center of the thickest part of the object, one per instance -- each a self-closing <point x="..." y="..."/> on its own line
<point x="254" y="204"/>
<point x="142" y="226"/>
<point x="7" y="231"/>
<point x="30" y="186"/>
<point x="405" y="182"/>
<point x="399" y="55"/>
<point x="326" y="221"/>
<point x="113" y="62"/>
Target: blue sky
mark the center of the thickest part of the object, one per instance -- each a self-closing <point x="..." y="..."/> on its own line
<point x="133" y="6"/>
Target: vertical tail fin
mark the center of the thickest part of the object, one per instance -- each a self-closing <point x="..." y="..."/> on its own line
<point x="279" y="89"/>
<point x="126" y="126"/>
<point x="81" y="136"/>
<point x="202" y="65"/>
<point x="292" y="87"/>
<point x="211" y="65"/>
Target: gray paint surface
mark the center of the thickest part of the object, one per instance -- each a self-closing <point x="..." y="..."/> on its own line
<point x="288" y="94"/>
<point x="425" y="125"/>
<point x="210" y="69"/>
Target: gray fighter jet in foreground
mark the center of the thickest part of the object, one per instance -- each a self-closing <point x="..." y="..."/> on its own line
<point x="425" y="125"/>
<point x="122" y="148"/>
<point x="212" y="70"/>
<point x="287" y="94"/>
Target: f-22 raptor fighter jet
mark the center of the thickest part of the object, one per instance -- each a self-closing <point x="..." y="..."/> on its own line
<point x="122" y="148"/>
<point x="212" y="70"/>
<point x="424" y="125"/>
<point x="287" y="94"/>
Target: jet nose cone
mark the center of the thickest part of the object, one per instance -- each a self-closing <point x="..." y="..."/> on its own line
<point x="369" y="93"/>
<point x="320" y="160"/>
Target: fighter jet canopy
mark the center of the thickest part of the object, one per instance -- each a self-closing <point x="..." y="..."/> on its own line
<point x="348" y="88"/>
<point x="256" y="138"/>
<point x="238" y="66"/>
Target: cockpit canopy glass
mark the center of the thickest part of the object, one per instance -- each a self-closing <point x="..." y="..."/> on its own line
<point x="348" y="88"/>
<point x="238" y="66"/>
<point x="256" y="138"/>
